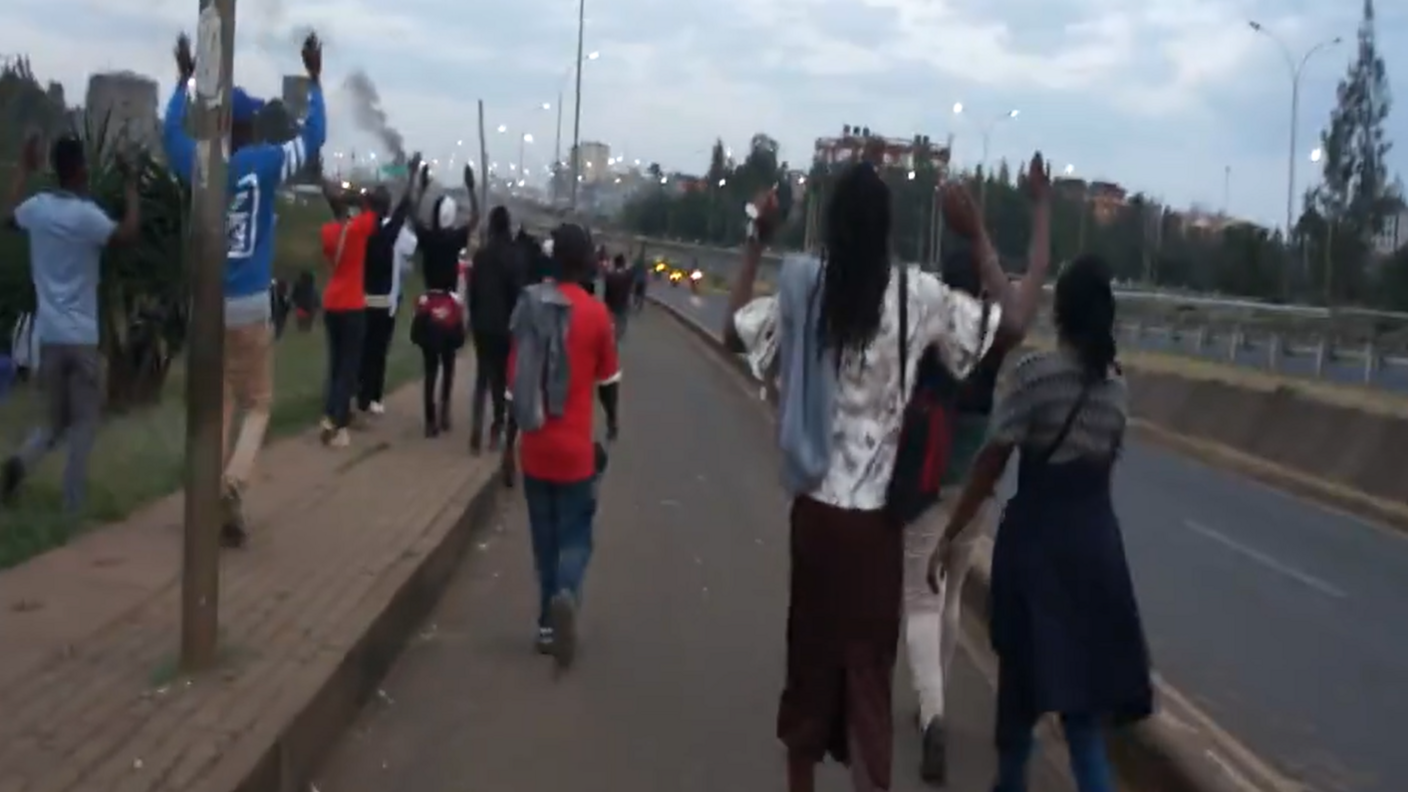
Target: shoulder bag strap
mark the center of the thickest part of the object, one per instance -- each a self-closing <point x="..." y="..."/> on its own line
<point x="1069" y="423"/>
<point x="904" y="329"/>
<point x="341" y="243"/>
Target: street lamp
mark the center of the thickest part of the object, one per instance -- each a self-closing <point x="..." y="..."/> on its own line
<point x="557" y="145"/>
<point x="985" y="128"/>
<point x="1296" y="67"/>
<point x="1070" y="171"/>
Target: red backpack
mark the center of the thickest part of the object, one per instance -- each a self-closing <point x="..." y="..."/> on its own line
<point x="439" y="316"/>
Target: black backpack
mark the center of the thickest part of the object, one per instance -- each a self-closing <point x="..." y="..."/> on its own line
<point x="926" y="428"/>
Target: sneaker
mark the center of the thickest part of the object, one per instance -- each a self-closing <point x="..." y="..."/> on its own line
<point x="10" y="479"/>
<point x="327" y="430"/>
<point x="933" y="764"/>
<point x="340" y="439"/>
<point x="544" y="642"/>
<point x="233" y="532"/>
<point x="562" y="614"/>
<point x="376" y="408"/>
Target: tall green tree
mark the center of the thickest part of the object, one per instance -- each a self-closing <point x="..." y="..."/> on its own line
<point x="1355" y="194"/>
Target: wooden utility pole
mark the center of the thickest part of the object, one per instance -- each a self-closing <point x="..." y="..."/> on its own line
<point x="206" y="251"/>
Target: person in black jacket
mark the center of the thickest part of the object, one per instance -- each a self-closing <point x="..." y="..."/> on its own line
<point x="388" y="251"/>
<point x="438" y="325"/>
<point x="498" y="275"/>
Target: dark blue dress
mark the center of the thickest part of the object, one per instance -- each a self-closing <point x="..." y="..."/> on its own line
<point x="1063" y="616"/>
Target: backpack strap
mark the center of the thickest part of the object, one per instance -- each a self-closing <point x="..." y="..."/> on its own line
<point x="341" y="243"/>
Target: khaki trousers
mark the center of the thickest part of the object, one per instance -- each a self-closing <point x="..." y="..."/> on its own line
<point x="249" y="386"/>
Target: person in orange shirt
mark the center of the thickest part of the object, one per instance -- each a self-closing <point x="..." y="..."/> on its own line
<point x="345" y="300"/>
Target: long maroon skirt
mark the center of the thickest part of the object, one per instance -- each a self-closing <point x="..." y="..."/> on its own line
<point x="843" y="629"/>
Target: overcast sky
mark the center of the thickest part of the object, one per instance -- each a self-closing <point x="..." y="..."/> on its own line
<point x="1159" y="95"/>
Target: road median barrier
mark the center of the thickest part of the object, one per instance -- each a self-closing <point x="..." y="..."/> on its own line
<point x="1179" y="749"/>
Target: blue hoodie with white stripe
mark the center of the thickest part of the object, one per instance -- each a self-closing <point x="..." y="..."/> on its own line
<point x="255" y="173"/>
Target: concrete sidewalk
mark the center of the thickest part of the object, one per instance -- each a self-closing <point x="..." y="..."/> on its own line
<point x="345" y="545"/>
<point x="681" y="662"/>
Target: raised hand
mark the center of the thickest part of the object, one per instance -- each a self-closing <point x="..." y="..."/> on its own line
<point x="313" y="56"/>
<point x="185" y="61"/>
<point x="1038" y="183"/>
<point x="469" y="177"/>
<point x="763" y="214"/>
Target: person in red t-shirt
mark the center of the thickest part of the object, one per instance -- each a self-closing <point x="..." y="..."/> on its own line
<point x="345" y="299"/>
<point x="561" y="459"/>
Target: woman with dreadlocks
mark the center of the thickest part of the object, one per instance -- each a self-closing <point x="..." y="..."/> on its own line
<point x="832" y="336"/>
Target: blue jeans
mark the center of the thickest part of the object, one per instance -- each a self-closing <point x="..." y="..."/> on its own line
<point x="346" y="332"/>
<point x="560" y="522"/>
<point x="1085" y="741"/>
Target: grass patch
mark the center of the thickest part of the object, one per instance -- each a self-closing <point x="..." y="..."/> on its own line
<point x="140" y="457"/>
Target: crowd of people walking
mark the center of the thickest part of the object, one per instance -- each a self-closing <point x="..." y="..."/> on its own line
<point x="902" y="402"/>
<point x="895" y="428"/>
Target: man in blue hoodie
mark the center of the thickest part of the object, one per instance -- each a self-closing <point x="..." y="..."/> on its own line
<point x="256" y="170"/>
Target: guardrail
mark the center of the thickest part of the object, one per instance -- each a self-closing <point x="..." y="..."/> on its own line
<point x="1306" y="353"/>
<point x="1307" y="356"/>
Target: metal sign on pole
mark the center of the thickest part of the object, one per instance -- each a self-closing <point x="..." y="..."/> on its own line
<point x="200" y="569"/>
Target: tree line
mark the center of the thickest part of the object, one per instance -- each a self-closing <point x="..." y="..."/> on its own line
<point x="1329" y="257"/>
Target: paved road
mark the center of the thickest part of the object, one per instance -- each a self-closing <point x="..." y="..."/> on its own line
<point x="1284" y="621"/>
<point x="681" y="663"/>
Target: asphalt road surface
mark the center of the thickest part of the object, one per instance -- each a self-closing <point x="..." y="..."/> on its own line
<point x="680" y="667"/>
<point x="1282" y="620"/>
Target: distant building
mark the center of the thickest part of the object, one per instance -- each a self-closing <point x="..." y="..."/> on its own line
<point x="856" y="143"/>
<point x="127" y="103"/>
<point x="295" y="95"/>
<point x="594" y="162"/>
<point x="1393" y="233"/>
<point x="1106" y="199"/>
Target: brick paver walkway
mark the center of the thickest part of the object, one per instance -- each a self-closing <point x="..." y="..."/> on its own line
<point x="87" y="690"/>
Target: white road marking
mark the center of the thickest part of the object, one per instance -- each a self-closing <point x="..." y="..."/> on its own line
<point x="1267" y="561"/>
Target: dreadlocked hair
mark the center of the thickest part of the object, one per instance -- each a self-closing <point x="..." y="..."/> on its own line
<point x="857" y="269"/>
<point x="1085" y="314"/>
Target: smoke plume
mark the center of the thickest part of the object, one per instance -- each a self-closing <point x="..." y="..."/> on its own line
<point x="369" y="117"/>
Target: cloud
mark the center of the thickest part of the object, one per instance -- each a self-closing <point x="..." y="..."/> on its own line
<point x="1164" y="96"/>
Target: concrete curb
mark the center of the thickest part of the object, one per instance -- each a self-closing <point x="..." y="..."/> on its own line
<point x="1176" y="750"/>
<point x="291" y="762"/>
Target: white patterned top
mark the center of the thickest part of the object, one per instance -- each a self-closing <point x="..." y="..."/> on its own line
<point x="869" y="404"/>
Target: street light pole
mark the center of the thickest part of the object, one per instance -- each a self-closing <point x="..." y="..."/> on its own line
<point x="577" y="102"/>
<point x="206" y="250"/>
<point x="557" y="150"/>
<point x="986" y="131"/>
<point x="1297" y="68"/>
